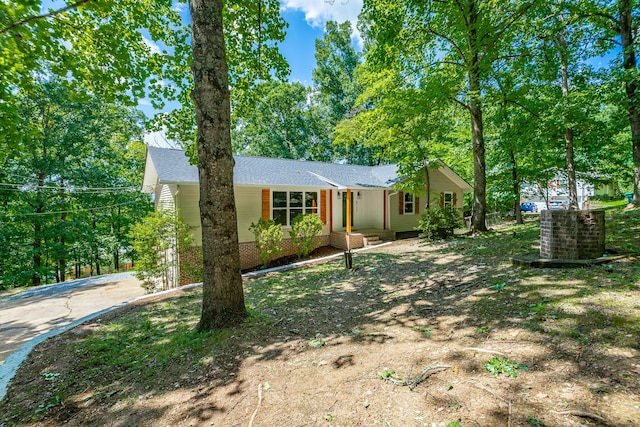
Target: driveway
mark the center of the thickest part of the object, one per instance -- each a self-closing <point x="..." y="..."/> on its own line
<point x="40" y="310"/>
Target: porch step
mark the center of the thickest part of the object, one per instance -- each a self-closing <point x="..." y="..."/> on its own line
<point x="371" y="239"/>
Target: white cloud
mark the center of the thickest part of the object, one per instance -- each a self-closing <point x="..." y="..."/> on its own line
<point x="144" y="102"/>
<point x="318" y="12"/>
<point x="154" y="48"/>
<point x="179" y="7"/>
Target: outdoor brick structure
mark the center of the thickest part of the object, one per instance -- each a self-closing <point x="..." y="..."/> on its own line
<point x="571" y="234"/>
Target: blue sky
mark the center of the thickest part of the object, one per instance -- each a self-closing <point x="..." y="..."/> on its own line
<point x="307" y="19"/>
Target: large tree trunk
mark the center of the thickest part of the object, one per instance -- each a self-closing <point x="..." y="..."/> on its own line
<point x="570" y="166"/>
<point x="479" y="215"/>
<point x="427" y="183"/>
<point x="631" y="89"/>
<point x="516" y="188"/>
<point x="222" y="293"/>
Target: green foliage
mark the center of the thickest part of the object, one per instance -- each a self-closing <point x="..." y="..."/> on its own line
<point x="507" y="367"/>
<point x="157" y="239"/>
<point x="268" y="237"/>
<point x="304" y="230"/>
<point x="427" y="331"/>
<point x="533" y="421"/>
<point x="66" y="202"/>
<point x="439" y="223"/>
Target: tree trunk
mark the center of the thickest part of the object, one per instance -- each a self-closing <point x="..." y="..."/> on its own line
<point x="62" y="262"/>
<point x="479" y="214"/>
<point x="222" y="293"/>
<point x="631" y="89"/>
<point x="427" y="180"/>
<point x="37" y="252"/>
<point x="516" y="188"/>
<point x="570" y="166"/>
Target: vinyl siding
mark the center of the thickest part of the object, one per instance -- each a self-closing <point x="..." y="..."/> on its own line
<point x="439" y="183"/>
<point x="187" y="200"/>
<point x="249" y="209"/>
<point x="165" y="197"/>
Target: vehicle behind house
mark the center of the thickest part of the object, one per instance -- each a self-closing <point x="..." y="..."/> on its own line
<point x="528" y="207"/>
<point x="556" y="205"/>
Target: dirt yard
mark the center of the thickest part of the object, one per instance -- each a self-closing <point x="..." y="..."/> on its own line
<point x="445" y="334"/>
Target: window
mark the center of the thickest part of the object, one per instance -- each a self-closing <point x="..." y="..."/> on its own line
<point x="447" y="199"/>
<point x="286" y="205"/>
<point x="409" y="203"/>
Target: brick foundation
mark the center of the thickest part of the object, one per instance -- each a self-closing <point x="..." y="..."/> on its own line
<point x="191" y="258"/>
<point x="571" y="234"/>
<point x="249" y="257"/>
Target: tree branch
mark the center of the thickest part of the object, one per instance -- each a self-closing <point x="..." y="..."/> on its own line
<point x="448" y="40"/>
<point x="504" y="27"/>
<point x="44" y="16"/>
<point x="460" y="103"/>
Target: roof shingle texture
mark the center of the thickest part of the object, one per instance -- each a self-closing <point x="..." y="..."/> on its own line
<point x="173" y="166"/>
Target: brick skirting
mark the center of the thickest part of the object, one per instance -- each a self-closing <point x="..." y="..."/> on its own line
<point x="191" y="258"/>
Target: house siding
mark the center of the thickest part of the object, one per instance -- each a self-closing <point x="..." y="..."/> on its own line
<point x="165" y="197"/>
<point x="439" y="183"/>
<point x="187" y="198"/>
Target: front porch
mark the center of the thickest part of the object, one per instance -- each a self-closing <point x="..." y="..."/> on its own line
<point x="359" y="238"/>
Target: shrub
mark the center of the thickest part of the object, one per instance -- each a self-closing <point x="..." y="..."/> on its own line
<point x="439" y="223"/>
<point x="304" y="230"/>
<point x="268" y="236"/>
<point x="157" y="239"/>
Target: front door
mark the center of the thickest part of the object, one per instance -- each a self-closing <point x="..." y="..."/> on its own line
<point x="344" y="208"/>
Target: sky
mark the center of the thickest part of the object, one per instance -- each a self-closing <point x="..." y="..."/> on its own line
<point x="306" y="19"/>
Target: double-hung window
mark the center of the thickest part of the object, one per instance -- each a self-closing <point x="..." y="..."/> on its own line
<point x="286" y="205"/>
<point x="447" y="199"/>
<point x="409" y="203"/>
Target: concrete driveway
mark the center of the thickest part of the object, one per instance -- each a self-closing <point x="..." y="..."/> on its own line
<point x="43" y="309"/>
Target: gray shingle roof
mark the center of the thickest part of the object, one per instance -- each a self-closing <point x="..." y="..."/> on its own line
<point x="173" y="166"/>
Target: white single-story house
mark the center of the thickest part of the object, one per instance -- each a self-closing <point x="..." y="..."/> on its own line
<point x="588" y="185"/>
<point x="280" y="189"/>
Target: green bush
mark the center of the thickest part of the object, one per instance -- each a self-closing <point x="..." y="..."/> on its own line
<point x="269" y="237"/>
<point x="157" y="239"/>
<point x="439" y="223"/>
<point x="304" y="230"/>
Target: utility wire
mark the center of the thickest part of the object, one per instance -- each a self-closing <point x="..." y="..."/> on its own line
<point x="69" y="211"/>
<point x="72" y="189"/>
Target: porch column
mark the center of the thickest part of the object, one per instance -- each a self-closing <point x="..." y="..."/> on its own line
<point x="348" y="212"/>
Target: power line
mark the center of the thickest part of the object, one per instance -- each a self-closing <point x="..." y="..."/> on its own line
<point x="69" y="211"/>
<point x="9" y="186"/>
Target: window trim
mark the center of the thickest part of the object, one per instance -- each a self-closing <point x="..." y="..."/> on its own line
<point x="412" y="203"/>
<point x="444" y="199"/>
<point x="288" y="208"/>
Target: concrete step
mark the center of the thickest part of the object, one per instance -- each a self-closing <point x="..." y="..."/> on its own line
<point x="371" y="240"/>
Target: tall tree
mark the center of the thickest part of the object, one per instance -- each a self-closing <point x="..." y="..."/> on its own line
<point x="455" y="42"/>
<point x="223" y="297"/>
<point x="337" y="85"/>
<point x="281" y="124"/>
<point x="69" y="183"/>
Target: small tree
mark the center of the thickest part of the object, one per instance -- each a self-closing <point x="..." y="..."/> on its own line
<point x="268" y="236"/>
<point x="156" y="240"/>
<point x="439" y="223"/>
<point x="304" y="230"/>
